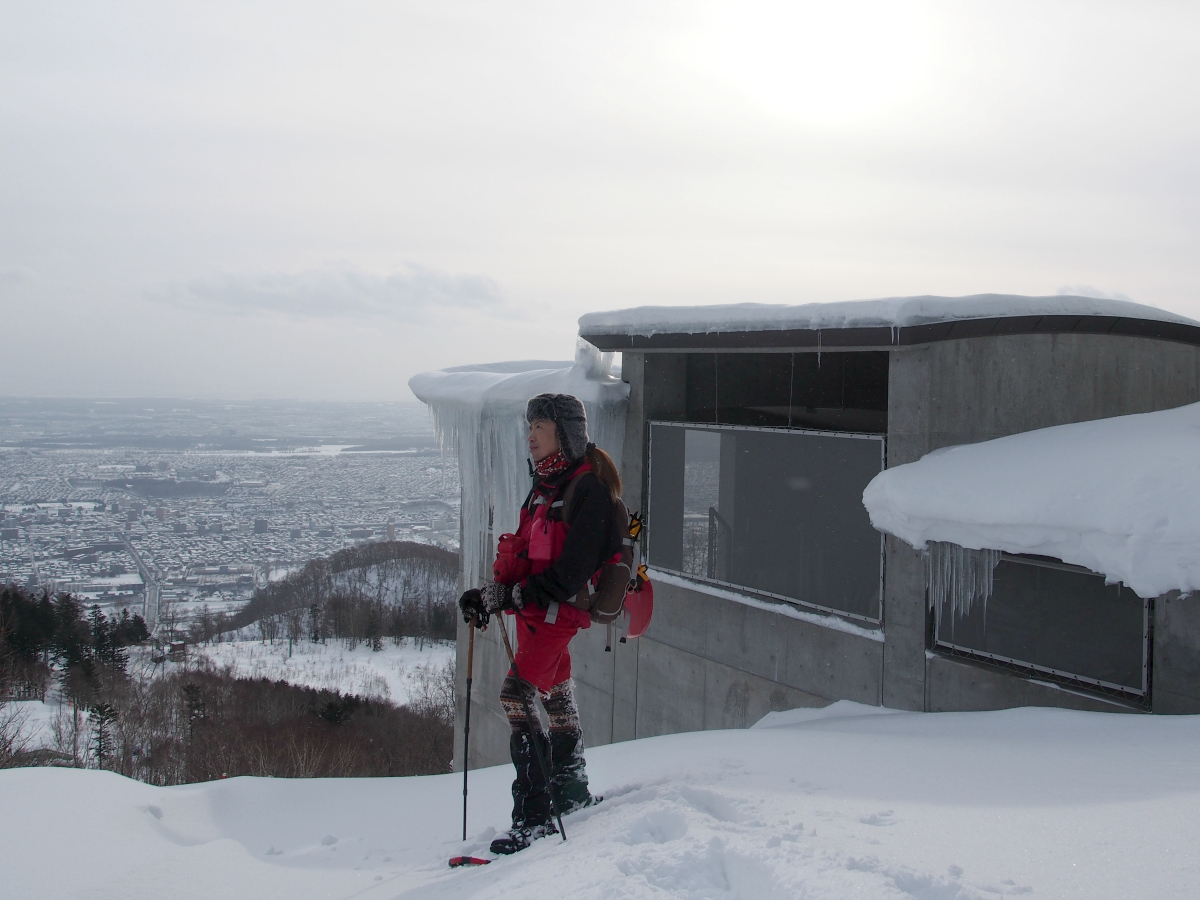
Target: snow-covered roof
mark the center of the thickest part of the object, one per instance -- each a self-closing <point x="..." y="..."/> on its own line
<point x="889" y="312"/>
<point x="1120" y="496"/>
<point x="509" y="385"/>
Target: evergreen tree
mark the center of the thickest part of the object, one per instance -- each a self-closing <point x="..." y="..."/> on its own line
<point x="70" y="644"/>
<point x="101" y="635"/>
<point x="28" y="624"/>
<point x="132" y="629"/>
<point x="102" y="717"/>
<point x="108" y="646"/>
<point x="72" y="650"/>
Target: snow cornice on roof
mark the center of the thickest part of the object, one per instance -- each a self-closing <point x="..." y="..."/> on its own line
<point x="883" y="323"/>
<point x="1119" y="496"/>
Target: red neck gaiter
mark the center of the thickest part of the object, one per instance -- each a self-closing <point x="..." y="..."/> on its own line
<point x="552" y="465"/>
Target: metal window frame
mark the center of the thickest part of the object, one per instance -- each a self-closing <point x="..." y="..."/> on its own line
<point x="1061" y="675"/>
<point x="746" y="589"/>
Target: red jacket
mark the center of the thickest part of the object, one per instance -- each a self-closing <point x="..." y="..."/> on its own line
<point x="563" y="555"/>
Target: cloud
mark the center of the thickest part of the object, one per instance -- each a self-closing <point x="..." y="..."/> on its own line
<point x="1086" y="290"/>
<point x="410" y="293"/>
<point x="11" y="276"/>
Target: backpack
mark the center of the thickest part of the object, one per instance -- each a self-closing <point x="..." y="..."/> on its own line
<point x="622" y="584"/>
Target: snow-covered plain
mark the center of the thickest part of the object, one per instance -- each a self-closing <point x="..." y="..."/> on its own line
<point x="1119" y="496"/>
<point x="392" y="673"/>
<point x="834" y="803"/>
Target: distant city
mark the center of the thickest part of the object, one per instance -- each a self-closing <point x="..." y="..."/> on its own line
<point x="169" y="507"/>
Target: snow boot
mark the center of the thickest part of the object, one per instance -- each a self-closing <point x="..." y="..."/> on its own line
<point x="569" y="778"/>
<point x="531" y="816"/>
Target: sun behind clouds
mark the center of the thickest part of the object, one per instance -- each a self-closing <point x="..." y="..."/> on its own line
<point x="823" y="63"/>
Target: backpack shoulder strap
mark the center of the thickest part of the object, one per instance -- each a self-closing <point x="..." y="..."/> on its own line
<point x="567" y="495"/>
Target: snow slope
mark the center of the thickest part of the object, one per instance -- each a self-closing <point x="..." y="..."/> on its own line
<point x="391" y="673"/>
<point x="850" y="803"/>
<point x="888" y="312"/>
<point x="1120" y="496"/>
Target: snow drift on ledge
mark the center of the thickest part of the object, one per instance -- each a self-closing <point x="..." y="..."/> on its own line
<point x="889" y="312"/>
<point x="1120" y="496"/>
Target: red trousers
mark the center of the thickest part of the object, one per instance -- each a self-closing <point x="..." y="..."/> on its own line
<point x="543" y="658"/>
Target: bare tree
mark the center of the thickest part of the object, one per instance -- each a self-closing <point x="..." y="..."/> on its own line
<point x="68" y="734"/>
<point x="15" y="735"/>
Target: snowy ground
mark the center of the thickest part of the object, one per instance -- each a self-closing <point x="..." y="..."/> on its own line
<point x="844" y="802"/>
<point x="391" y="673"/>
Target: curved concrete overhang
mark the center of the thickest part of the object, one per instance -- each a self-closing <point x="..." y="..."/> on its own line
<point x="886" y="323"/>
<point x="886" y="338"/>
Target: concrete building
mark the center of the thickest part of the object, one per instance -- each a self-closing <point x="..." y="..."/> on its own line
<point x="749" y="436"/>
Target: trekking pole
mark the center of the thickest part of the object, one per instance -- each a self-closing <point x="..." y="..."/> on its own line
<point x="533" y="732"/>
<point x="467" y="718"/>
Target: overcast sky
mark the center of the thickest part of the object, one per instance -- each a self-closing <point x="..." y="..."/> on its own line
<point x="319" y="200"/>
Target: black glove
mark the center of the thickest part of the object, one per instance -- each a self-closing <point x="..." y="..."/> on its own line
<point x="499" y="597"/>
<point x="471" y="605"/>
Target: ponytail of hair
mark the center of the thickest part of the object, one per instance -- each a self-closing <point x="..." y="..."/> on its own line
<point x="605" y="469"/>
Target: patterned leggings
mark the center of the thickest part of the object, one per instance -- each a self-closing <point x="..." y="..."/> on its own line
<point x="559" y="704"/>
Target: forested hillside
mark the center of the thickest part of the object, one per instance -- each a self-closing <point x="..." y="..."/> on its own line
<point x="187" y="718"/>
<point x="388" y="589"/>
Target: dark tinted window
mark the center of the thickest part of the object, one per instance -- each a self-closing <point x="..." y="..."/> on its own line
<point x="834" y="391"/>
<point x="779" y="512"/>
<point x="1064" y="622"/>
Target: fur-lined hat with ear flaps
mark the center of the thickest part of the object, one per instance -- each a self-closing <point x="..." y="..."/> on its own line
<point x="569" y="418"/>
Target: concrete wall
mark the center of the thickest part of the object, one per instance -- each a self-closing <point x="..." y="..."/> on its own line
<point x="711" y="662"/>
<point x="957" y="685"/>
<point x="960" y="392"/>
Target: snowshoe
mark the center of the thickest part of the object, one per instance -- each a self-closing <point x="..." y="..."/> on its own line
<point x="592" y="800"/>
<point x="519" y="837"/>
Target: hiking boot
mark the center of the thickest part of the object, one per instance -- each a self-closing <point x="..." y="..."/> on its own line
<point x="519" y="837"/>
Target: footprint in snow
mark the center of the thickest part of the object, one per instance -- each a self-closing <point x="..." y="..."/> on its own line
<point x="1011" y="887"/>
<point x="720" y="808"/>
<point x="879" y="818"/>
<point x="658" y="827"/>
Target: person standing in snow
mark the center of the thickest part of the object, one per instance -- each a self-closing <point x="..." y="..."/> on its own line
<point x="571" y="524"/>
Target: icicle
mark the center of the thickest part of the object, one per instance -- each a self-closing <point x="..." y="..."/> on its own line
<point x="486" y="430"/>
<point x="960" y="576"/>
